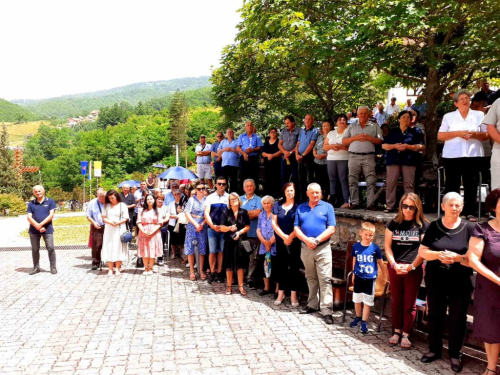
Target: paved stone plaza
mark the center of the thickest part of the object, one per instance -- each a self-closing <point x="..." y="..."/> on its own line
<point x="84" y="322"/>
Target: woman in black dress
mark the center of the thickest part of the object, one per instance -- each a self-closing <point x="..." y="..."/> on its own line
<point x="235" y="223"/>
<point x="271" y="155"/>
<point x="447" y="279"/>
<point x="176" y="230"/>
<point x="484" y="257"/>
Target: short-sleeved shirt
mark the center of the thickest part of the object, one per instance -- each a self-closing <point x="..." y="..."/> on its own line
<point x="493" y="118"/>
<point x="335" y="138"/>
<point x="406" y="239"/>
<point x="421" y="108"/>
<point x="284" y="218"/>
<point x="128" y="200"/>
<point x="439" y="238"/>
<point x="217" y="204"/>
<point x="318" y="146"/>
<point x="196" y="207"/>
<point x="241" y="221"/>
<point x="392" y="110"/>
<point x="306" y="136"/>
<point x="370" y="129"/>
<point x="95" y="210"/>
<point x="366" y="257"/>
<point x="411" y="136"/>
<point x="459" y="147"/>
<point x="40" y="211"/>
<point x="203" y="159"/>
<point x="214" y="148"/>
<point x="381" y="117"/>
<point x="249" y="142"/>
<point x="314" y="221"/>
<point x="265" y="225"/>
<point x="289" y="138"/>
<point x="253" y="204"/>
<point x="137" y="197"/>
<point x="229" y="158"/>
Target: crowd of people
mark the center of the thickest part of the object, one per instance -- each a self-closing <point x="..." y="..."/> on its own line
<point x="266" y="241"/>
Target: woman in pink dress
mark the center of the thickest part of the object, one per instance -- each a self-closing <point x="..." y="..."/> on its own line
<point x="150" y="244"/>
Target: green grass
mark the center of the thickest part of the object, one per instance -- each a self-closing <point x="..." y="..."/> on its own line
<point x="75" y="220"/>
<point x="17" y="132"/>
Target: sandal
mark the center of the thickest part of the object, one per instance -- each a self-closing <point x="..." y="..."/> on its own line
<point x="407" y="344"/>
<point x="229" y="290"/>
<point x="203" y="276"/>
<point x="488" y="371"/>
<point x="472" y="218"/>
<point x="396" y="341"/>
<point x="192" y="277"/>
<point x="242" y="291"/>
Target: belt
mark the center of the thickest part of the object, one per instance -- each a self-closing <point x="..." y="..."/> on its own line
<point x="204" y="163"/>
<point x="362" y="153"/>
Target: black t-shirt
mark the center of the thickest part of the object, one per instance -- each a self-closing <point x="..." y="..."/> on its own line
<point x="129" y="200"/>
<point x="271" y="149"/>
<point x="440" y="238"/>
<point x="406" y="239"/>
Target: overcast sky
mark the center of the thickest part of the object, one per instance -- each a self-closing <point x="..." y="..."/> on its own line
<point x="52" y="48"/>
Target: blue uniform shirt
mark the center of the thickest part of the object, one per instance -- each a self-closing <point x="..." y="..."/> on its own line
<point x="229" y="158"/>
<point x="366" y="260"/>
<point x="40" y="212"/>
<point x="214" y="148"/>
<point x="253" y="141"/>
<point x="306" y="137"/>
<point x="253" y="204"/>
<point x="314" y="221"/>
<point x="94" y="211"/>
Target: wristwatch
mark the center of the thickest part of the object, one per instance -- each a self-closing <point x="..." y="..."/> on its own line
<point x="412" y="267"/>
<point x="316" y="241"/>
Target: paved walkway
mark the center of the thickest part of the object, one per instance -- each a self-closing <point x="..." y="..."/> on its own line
<point x="84" y="322"/>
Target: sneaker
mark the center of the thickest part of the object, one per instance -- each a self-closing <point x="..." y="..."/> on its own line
<point x="145" y="273"/>
<point x="355" y="322"/>
<point x="117" y="272"/>
<point x="110" y="273"/>
<point x="364" y="327"/>
<point x="150" y="273"/>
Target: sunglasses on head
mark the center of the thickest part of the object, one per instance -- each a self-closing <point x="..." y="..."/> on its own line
<point x="221" y="183"/>
<point x="409" y="207"/>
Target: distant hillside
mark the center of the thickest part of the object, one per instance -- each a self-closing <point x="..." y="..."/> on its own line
<point x="72" y="105"/>
<point x="10" y="112"/>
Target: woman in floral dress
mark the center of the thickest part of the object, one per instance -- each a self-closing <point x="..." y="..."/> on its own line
<point x="149" y="240"/>
<point x="196" y="230"/>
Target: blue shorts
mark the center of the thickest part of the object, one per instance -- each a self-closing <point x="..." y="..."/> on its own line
<point x="215" y="241"/>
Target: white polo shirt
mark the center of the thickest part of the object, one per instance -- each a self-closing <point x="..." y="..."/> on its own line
<point x="459" y="147"/>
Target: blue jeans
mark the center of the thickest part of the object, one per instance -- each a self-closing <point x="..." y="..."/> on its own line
<point x="215" y="241"/>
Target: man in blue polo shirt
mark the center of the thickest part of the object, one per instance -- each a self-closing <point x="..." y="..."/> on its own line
<point x="228" y="150"/>
<point x="249" y="146"/>
<point x="40" y="214"/>
<point x="215" y="205"/>
<point x="314" y="225"/>
<point x="252" y="203"/>
<point x="304" y="155"/>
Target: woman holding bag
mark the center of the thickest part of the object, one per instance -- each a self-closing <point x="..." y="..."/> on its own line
<point x="235" y="223"/>
<point x="149" y="240"/>
<point x="114" y="215"/>
<point x="176" y="230"/>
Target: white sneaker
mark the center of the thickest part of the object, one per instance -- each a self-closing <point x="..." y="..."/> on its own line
<point x="110" y="273"/>
<point x="150" y="273"/>
<point x="145" y="273"/>
<point x="117" y="272"/>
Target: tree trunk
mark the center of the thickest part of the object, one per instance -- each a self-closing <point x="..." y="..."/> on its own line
<point x="432" y="94"/>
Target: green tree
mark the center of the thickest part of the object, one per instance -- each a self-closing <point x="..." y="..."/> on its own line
<point x="116" y="114"/>
<point x="9" y="180"/>
<point x="178" y="120"/>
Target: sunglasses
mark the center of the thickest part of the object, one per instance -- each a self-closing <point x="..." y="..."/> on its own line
<point x="408" y="207"/>
<point x="221" y="184"/>
<point x="201" y="188"/>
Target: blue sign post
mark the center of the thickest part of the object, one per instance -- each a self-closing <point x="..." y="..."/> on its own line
<point x="84" y="165"/>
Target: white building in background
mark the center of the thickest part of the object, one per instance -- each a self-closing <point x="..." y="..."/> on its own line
<point x="402" y="95"/>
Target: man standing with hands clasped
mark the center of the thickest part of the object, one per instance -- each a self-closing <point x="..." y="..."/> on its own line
<point x="94" y="216"/>
<point x="40" y="214"/>
<point x="314" y="225"/>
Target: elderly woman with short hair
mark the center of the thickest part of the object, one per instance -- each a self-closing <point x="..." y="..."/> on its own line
<point x="484" y="257"/>
<point x="265" y="233"/>
<point x="462" y="134"/>
<point x="235" y="223"/>
<point x="447" y="279"/>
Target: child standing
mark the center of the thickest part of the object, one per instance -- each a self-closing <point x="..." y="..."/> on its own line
<point x="365" y="255"/>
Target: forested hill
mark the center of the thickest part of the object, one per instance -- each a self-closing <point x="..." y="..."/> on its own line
<point x="82" y="104"/>
<point x="10" y="112"/>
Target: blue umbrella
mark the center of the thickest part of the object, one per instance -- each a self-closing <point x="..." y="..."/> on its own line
<point x="160" y="165"/>
<point x="178" y="173"/>
<point x="131" y="183"/>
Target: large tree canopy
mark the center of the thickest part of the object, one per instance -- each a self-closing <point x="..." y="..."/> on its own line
<point x="319" y="56"/>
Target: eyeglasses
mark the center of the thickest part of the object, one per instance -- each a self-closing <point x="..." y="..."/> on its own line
<point x="408" y="207"/>
<point x="221" y="184"/>
<point x="219" y="136"/>
<point x="201" y="188"/>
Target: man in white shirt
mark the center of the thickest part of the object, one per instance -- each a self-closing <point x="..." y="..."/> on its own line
<point x="393" y="108"/>
<point x="408" y="105"/>
<point x="203" y="159"/>
<point x="492" y="121"/>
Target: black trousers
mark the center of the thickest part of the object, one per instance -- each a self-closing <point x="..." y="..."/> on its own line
<point x="97" y="236"/>
<point x="322" y="178"/>
<point x="250" y="169"/>
<point x="48" y="238"/>
<point x="463" y="171"/>
<point x="288" y="259"/>
<point x="272" y="184"/>
<point x="447" y="290"/>
<point x="306" y="175"/>
<point x="231" y="176"/>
